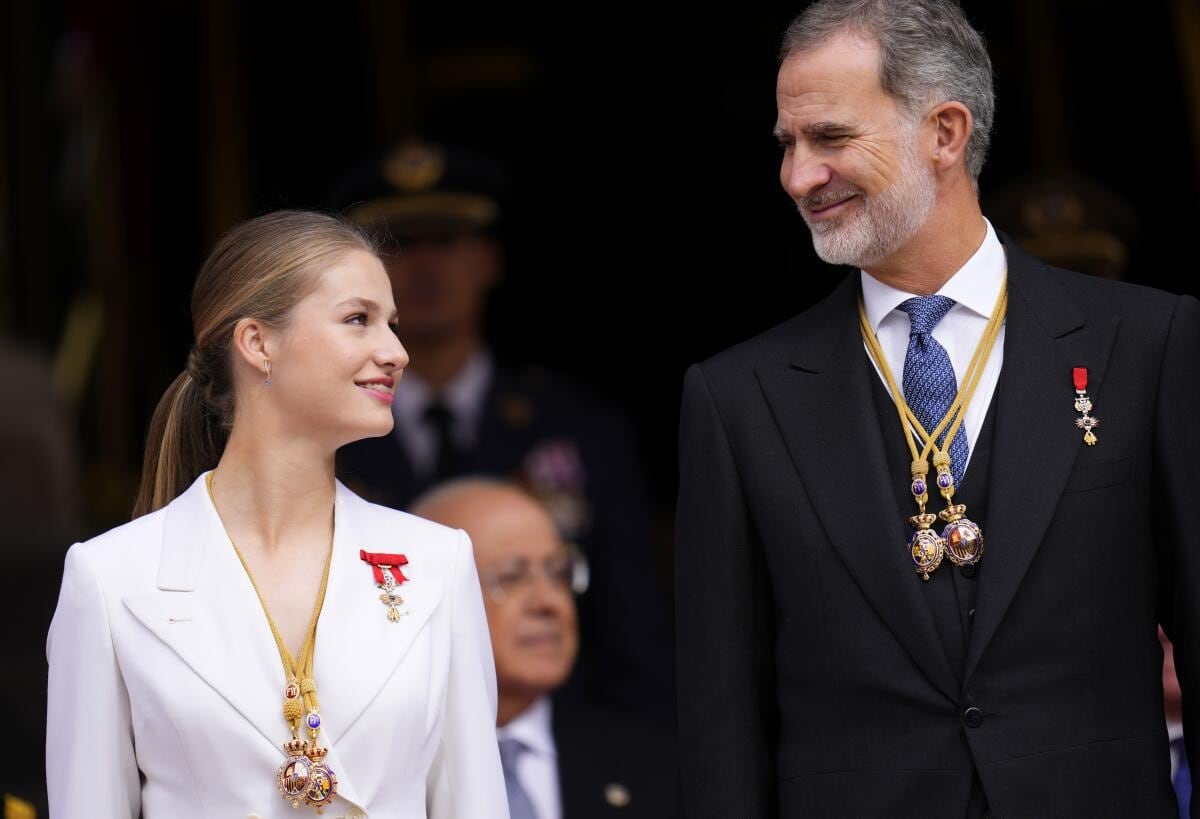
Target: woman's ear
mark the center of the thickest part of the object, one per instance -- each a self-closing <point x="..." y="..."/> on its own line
<point x="250" y="344"/>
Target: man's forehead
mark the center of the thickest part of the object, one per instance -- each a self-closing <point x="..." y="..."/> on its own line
<point x="516" y="533"/>
<point x="846" y="63"/>
<point x="819" y="92"/>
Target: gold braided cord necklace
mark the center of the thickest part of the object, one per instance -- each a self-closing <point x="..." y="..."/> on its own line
<point x="961" y="540"/>
<point x="303" y="776"/>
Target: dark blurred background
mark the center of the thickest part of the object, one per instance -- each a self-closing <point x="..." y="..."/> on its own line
<point x="646" y="230"/>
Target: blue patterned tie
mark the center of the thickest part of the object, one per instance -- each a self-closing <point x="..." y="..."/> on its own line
<point x="929" y="383"/>
<point x="520" y="806"/>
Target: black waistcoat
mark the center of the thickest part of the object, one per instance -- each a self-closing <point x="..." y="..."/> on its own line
<point x="951" y="591"/>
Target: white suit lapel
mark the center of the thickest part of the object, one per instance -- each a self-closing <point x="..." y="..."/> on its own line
<point x="358" y="648"/>
<point x="206" y="610"/>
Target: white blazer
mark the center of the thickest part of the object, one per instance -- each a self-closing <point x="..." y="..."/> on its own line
<point x="166" y="689"/>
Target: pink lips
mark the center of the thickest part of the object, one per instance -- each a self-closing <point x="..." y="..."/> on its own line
<point x="384" y="396"/>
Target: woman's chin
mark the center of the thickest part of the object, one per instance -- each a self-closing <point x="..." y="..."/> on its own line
<point x="373" y="429"/>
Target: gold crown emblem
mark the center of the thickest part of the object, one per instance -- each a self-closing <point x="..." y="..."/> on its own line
<point x="924" y="520"/>
<point x="317" y="753"/>
<point x="296" y="747"/>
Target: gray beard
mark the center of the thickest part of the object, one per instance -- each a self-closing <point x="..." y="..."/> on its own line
<point x="882" y="223"/>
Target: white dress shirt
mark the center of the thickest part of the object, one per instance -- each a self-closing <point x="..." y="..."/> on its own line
<point x="974" y="289"/>
<point x="1174" y="732"/>
<point x="464" y="396"/>
<point x="537" y="768"/>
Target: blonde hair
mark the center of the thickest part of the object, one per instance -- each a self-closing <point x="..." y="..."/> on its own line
<point x="260" y="269"/>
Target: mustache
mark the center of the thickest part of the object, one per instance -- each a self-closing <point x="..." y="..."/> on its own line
<point x="822" y="198"/>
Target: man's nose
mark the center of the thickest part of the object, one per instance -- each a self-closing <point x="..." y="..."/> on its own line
<point x="803" y="172"/>
<point x="545" y="593"/>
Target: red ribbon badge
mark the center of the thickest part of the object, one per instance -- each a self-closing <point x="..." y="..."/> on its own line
<point x="1079" y="375"/>
<point x="379" y="562"/>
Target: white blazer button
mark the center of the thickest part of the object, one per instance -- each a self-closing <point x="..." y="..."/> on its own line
<point x="253" y="816"/>
<point x="355" y="814"/>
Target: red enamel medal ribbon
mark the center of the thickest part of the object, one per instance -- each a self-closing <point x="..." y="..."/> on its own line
<point x="389" y="581"/>
<point x="1083" y="405"/>
<point x="381" y="561"/>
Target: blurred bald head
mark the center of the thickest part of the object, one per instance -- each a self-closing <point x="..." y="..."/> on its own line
<point x="525" y="570"/>
<point x="497" y="515"/>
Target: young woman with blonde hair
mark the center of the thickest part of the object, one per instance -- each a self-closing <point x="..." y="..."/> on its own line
<point x="231" y="645"/>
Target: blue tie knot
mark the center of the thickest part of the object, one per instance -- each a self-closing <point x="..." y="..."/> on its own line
<point x="924" y="312"/>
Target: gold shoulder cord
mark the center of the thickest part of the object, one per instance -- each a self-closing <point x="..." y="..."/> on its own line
<point x="961" y="540"/>
<point x="303" y="776"/>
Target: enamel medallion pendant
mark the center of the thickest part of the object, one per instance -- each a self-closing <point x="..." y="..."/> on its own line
<point x="964" y="540"/>
<point x="322" y="783"/>
<point x="295" y="774"/>
<point x="925" y="546"/>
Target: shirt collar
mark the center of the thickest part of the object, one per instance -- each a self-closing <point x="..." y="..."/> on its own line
<point x="464" y="394"/>
<point x="533" y="728"/>
<point x="975" y="286"/>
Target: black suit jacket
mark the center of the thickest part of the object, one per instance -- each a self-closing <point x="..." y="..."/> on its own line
<point x="612" y="766"/>
<point x="811" y="678"/>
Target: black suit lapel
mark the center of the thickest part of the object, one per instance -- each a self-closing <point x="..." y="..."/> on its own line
<point x="568" y="769"/>
<point x="581" y="774"/>
<point x="1035" y="439"/>
<point x="822" y="404"/>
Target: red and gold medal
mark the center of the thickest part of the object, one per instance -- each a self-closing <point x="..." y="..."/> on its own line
<point x="1083" y="405"/>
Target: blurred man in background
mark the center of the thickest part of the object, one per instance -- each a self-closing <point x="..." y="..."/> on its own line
<point x="40" y="507"/>
<point x="562" y="756"/>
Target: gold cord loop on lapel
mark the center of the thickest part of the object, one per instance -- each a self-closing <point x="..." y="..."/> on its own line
<point x="303" y="776"/>
<point x="962" y="540"/>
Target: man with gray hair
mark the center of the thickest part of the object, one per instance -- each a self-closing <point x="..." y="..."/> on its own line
<point x="914" y="575"/>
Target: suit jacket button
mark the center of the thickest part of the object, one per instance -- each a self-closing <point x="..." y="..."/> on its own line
<point x="617" y="795"/>
<point x="969" y="570"/>
<point x="972" y="717"/>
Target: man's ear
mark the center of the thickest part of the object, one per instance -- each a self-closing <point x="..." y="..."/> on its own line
<point x="952" y="123"/>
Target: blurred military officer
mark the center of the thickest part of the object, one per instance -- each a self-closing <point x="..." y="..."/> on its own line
<point x="459" y="410"/>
